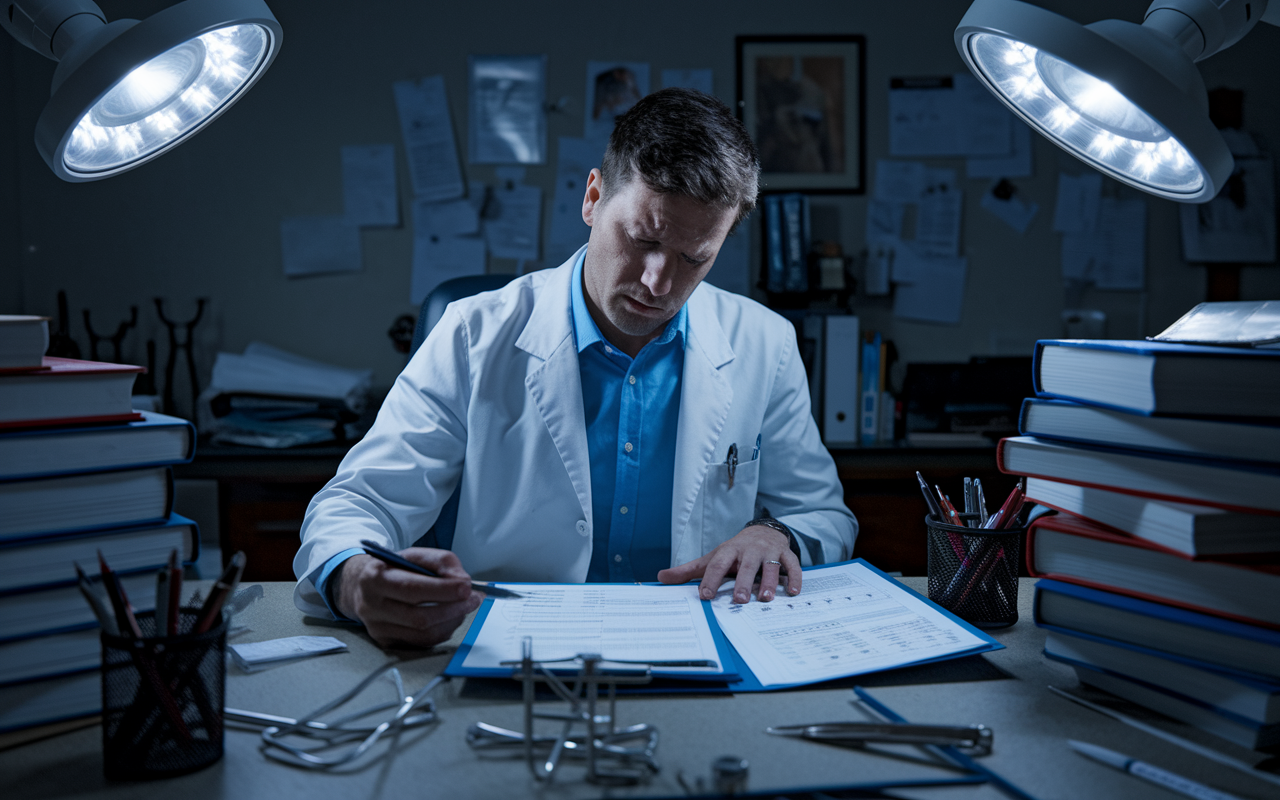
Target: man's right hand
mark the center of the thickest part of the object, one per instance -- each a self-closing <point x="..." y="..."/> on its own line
<point x="400" y="608"/>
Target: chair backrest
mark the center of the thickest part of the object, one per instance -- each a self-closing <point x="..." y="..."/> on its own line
<point x="444" y="294"/>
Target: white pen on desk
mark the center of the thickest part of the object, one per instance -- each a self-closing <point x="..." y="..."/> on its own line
<point x="1148" y="772"/>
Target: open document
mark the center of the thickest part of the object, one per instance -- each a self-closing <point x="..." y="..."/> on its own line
<point x="665" y="626"/>
<point x="848" y="619"/>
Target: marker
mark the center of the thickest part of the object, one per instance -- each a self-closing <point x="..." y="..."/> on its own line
<point x="1148" y="772"/>
<point x="396" y="560"/>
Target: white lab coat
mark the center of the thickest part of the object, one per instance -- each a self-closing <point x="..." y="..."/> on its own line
<point x="493" y="399"/>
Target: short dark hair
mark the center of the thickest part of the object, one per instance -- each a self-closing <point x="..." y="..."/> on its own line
<point x="681" y="141"/>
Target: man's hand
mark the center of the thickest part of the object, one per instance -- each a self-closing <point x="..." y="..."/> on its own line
<point x="744" y="555"/>
<point x="399" y="607"/>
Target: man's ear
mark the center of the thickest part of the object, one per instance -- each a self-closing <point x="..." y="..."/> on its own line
<point x="593" y="196"/>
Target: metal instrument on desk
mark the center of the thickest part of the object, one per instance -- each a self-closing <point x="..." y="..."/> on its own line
<point x="974" y="740"/>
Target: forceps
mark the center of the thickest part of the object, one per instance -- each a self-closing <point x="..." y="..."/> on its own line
<point x="331" y="735"/>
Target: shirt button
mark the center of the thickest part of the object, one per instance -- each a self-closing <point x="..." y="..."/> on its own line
<point x="628" y="447"/>
<point x="623" y="509"/>
<point x="608" y="349"/>
<point x="617" y="559"/>
<point x="632" y="380"/>
<point x="582" y="527"/>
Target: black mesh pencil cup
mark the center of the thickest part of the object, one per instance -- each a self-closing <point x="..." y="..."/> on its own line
<point x="973" y="572"/>
<point x="162" y="700"/>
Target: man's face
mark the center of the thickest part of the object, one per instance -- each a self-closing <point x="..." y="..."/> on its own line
<point x="647" y="253"/>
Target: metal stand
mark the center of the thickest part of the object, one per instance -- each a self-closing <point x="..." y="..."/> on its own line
<point x="116" y="339"/>
<point x="602" y="746"/>
<point x="170" y="407"/>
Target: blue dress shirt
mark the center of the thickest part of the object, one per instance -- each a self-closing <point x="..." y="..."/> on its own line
<point x="632" y="409"/>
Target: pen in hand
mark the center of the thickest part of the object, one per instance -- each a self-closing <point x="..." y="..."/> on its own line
<point x="396" y="560"/>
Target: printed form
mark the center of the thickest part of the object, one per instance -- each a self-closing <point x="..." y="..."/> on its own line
<point x="620" y="622"/>
<point x="847" y="620"/>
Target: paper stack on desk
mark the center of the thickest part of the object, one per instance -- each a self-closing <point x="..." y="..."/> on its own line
<point x="850" y="619"/>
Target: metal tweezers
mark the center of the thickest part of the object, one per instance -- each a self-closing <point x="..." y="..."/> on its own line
<point x="972" y="739"/>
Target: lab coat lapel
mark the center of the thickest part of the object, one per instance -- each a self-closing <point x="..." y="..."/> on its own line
<point x="556" y="385"/>
<point x="705" y="398"/>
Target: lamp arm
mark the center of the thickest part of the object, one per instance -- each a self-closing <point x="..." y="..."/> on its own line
<point x="51" y="27"/>
<point x="1204" y="27"/>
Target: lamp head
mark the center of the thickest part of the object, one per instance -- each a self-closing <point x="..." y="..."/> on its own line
<point x="128" y="91"/>
<point x="1126" y="99"/>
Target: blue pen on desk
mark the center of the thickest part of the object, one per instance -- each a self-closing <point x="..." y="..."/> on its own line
<point x="396" y="560"/>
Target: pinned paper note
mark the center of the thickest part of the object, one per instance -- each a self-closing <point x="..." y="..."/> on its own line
<point x="939" y="215"/>
<point x="1015" y="165"/>
<point x="369" y="195"/>
<point x="319" y="245"/>
<point x="428" y="138"/>
<point x="507" y="122"/>
<point x="1078" y="201"/>
<point x="449" y="218"/>
<point x="437" y="258"/>
<point x="575" y="160"/>
<point x="1004" y="202"/>
<point x="699" y="79"/>
<point x="947" y="115"/>
<point x="1113" y="256"/>
<point x="513" y="222"/>
<point x="899" y="181"/>
<point x="613" y="87"/>
<point x="935" y="292"/>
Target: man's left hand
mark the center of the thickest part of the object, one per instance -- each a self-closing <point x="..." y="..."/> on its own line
<point x="757" y="549"/>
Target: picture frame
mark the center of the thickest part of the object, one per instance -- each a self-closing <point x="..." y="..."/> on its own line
<point x="803" y="101"/>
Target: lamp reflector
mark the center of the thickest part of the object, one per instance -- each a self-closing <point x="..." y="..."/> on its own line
<point x="163" y="99"/>
<point x="1086" y="115"/>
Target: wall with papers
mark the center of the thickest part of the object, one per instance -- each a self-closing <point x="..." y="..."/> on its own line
<point x="245" y="213"/>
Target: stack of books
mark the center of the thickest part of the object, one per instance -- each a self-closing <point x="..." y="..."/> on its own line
<point x="1162" y="577"/>
<point x="80" y="472"/>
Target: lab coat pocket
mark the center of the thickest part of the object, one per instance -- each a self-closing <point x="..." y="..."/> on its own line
<point x="725" y="510"/>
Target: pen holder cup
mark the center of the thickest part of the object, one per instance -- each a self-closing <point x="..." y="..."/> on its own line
<point x="162" y="700"/>
<point x="973" y="573"/>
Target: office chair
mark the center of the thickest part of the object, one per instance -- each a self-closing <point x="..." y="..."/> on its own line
<point x="441" y="534"/>
<point x="444" y="294"/>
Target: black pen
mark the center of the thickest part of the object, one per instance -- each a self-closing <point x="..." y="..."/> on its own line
<point x="386" y="556"/>
<point x="934" y="508"/>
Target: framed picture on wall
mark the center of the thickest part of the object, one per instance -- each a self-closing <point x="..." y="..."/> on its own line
<point x="802" y="99"/>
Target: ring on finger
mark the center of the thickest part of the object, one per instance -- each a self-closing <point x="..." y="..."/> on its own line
<point x="779" y="563"/>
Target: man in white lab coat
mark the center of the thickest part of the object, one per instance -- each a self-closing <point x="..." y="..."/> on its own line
<point x="613" y="419"/>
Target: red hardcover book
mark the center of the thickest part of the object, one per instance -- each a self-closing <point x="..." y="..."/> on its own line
<point x="1236" y="486"/>
<point x="1077" y="550"/>
<point x="68" y="392"/>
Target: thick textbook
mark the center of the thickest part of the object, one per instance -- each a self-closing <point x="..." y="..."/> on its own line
<point x="1146" y="377"/>
<point x="1230" y="440"/>
<point x="46" y="561"/>
<point x="98" y="500"/>
<point x="155" y="440"/>
<point x="69" y="392"/>
<point x="1255" y="700"/>
<point x="1249" y="488"/>
<point x="1213" y="642"/>
<point x="1189" y="529"/>
<point x="851" y="619"/>
<point x="1232" y="727"/>
<point x="1078" y="551"/>
<point x="49" y="656"/>
<point x="38" y="702"/>
<point x="59" y="609"/>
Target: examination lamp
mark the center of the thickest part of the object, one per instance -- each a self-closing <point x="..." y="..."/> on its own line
<point x="1124" y="98"/>
<point x="124" y="92"/>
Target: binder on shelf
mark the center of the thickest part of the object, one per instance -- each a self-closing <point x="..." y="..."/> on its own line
<point x="840" y="417"/>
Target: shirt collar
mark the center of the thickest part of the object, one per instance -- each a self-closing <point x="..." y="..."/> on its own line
<point x="585" y="330"/>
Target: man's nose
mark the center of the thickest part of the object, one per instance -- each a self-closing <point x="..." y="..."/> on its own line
<point x="659" y="270"/>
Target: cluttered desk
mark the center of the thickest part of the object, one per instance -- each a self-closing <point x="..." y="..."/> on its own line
<point x="1004" y="690"/>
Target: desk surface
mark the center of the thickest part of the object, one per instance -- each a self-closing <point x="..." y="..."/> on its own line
<point x="1004" y="690"/>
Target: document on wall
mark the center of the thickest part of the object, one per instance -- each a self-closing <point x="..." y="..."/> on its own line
<point x="1114" y="255"/>
<point x="513" y="222"/>
<point x="699" y="79"/>
<point x="930" y="288"/>
<point x="575" y="160"/>
<point x="621" y="622"/>
<point x="1079" y="197"/>
<point x="947" y="115"/>
<point x="849" y="619"/>
<point x="428" y="138"/>
<point x="369" y="196"/>
<point x="508" y="124"/>
<point x="1015" y="165"/>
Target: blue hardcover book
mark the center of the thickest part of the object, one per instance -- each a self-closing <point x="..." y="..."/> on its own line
<point x="1227" y="645"/>
<point x="1222" y="439"/>
<point x="46" y="562"/>
<point x="156" y="440"/>
<point x="1144" y="377"/>
<point x="869" y="397"/>
<point x="795" y="214"/>
<point x="95" y="501"/>
<point x="775" y="258"/>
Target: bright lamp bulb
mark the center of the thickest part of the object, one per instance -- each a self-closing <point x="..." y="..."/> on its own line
<point x="1086" y="115"/>
<point x="168" y="96"/>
